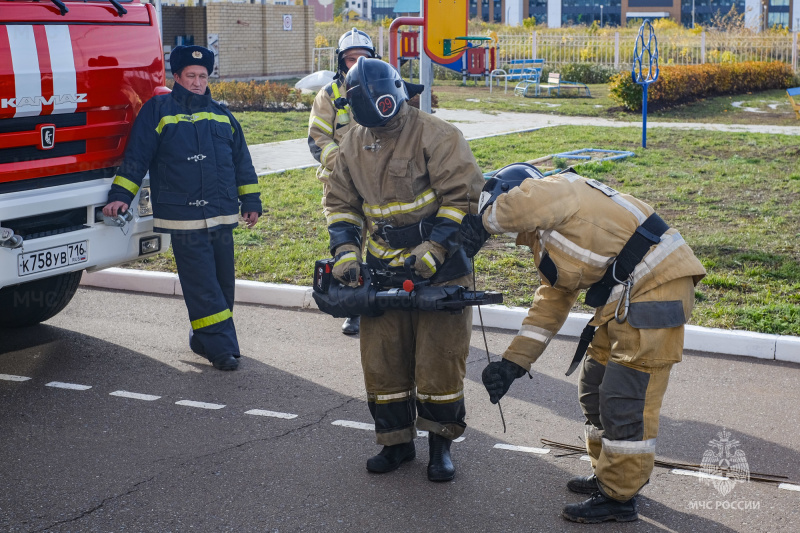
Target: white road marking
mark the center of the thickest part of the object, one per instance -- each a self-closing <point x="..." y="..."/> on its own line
<point x="525" y="449"/>
<point x="134" y="395"/>
<point x="692" y="473"/>
<point x="201" y="405"/>
<point x="273" y="414"/>
<point x="586" y="458"/>
<point x="9" y="377"/>
<point x="354" y="425"/>
<point x="789" y="486"/>
<point x="72" y="386"/>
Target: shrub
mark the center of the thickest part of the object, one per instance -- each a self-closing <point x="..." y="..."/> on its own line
<point x="259" y="96"/>
<point x="683" y="84"/>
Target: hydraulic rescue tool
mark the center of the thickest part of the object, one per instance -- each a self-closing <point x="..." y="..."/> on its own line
<point x="379" y="292"/>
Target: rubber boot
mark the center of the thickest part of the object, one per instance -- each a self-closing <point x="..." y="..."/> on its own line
<point x="583" y="484"/>
<point x="391" y="457"/>
<point x="440" y="466"/>
<point x="225" y="362"/>
<point x="351" y="325"/>
<point x="599" y="508"/>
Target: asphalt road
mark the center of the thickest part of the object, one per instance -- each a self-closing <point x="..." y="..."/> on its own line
<point x="102" y="459"/>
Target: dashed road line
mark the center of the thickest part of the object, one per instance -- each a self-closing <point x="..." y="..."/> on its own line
<point x="692" y="473"/>
<point x="525" y="449"/>
<point x="586" y="458"/>
<point x="134" y="395"/>
<point x="71" y="386"/>
<point x="9" y="377"/>
<point x="789" y="486"/>
<point x="354" y="425"/>
<point x="201" y="405"/>
<point x="273" y="414"/>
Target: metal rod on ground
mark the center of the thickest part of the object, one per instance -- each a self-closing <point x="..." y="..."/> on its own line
<point x="754" y="476"/>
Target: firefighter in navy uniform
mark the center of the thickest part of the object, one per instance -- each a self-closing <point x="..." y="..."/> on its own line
<point x="410" y="177"/>
<point x="640" y="276"/>
<point x="200" y="173"/>
<point x="328" y="124"/>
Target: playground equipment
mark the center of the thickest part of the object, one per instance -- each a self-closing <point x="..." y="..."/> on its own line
<point x="478" y="59"/>
<point x="650" y="50"/>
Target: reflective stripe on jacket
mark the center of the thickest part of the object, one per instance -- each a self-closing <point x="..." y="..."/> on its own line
<point x="199" y="164"/>
<point x="575" y="227"/>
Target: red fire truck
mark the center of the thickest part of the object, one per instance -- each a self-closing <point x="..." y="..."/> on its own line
<point x="73" y="76"/>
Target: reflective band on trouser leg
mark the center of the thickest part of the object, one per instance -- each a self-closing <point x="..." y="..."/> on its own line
<point x="393" y="414"/>
<point x="204" y="259"/>
<point x="593" y="443"/>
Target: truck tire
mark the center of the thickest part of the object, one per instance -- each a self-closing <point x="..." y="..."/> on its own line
<point x="36" y="301"/>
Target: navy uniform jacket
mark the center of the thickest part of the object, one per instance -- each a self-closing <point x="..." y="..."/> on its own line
<point x="200" y="167"/>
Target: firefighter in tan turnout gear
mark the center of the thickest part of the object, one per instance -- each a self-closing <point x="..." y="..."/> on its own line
<point x="328" y="124"/>
<point x="410" y="177"/>
<point x="640" y="275"/>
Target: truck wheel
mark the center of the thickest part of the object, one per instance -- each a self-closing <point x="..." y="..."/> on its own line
<point x="36" y="301"/>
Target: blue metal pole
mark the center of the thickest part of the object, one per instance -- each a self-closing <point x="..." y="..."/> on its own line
<point x="644" y="115"/>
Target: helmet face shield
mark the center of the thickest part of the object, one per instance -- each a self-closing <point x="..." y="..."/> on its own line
<point x="375" y="92"/>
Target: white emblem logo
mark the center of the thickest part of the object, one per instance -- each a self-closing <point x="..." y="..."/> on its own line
<point x="47" y="136"/>
<point x="727" y="464"/>
<point x="197" y="54"/>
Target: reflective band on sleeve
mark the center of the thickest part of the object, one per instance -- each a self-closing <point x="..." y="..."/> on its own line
<point x="321" y="124"/>
<point x="440" y="398"/>
<point x="454" y="214"/>
<point x="248" y="189"/>
<point x="535" y="333"/>
<point x="397" y="208"/>
<point x="630" y="447"/>
<point x="492" y="223"/>
<point x="430" y="261"/>
<point x="352" y="218"/>
<point x="349" y="256"/>
<point x="383" y="252"/>
<point x="195" y="224"/>
<point x="555" y="239"/>
<point x="377" y="397"/>
<point x="205" y="115"/>
<point x="126" y="184"/>
<point x="327" y="151"/>
<point x="211" y="320"/>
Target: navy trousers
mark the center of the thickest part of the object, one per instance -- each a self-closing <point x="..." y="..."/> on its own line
<point x="206" y="270"/>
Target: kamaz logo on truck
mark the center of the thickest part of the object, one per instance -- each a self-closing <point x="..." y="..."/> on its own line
<point x="37" y="101"/>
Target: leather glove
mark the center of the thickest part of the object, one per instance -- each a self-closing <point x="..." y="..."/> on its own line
<point x="347" y="265"/>
<point x="429" y="257"/>
<point x="473" y="234"/>
<point x="498" y="376"/>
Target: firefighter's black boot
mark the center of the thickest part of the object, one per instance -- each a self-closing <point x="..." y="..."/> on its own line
<point x="391" y="457"/>
<point x="225" y="362"/>
<point x="440" y="467"/>
<point x="599" y="508"/>
<point x="583" y="484"/>
<point x="351" y="325"/>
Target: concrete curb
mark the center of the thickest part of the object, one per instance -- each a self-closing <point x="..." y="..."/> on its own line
<point x="712" y="340"/>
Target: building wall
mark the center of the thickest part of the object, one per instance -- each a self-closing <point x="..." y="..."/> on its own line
<point x="183" y="21"/>
<point x="253" y="42"/>
<point x="672" y="7"/>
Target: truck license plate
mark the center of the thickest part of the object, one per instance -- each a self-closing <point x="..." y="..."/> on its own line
<point x="60" y="256"/>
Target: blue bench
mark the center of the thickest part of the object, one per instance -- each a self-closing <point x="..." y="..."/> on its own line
<point x="528" y="72"/>
<point x="793" y="93"/>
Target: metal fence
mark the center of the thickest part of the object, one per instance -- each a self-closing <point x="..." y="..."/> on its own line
<point x="616" y="50"/>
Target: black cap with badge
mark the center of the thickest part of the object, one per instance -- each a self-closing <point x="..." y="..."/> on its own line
<point x="183" y="56"/>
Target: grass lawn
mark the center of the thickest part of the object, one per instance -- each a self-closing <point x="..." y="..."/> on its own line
<point x="735" y="197"/>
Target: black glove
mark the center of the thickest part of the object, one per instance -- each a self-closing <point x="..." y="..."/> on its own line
<point x="498" y="376"/>
<point x="473" y="234"/>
